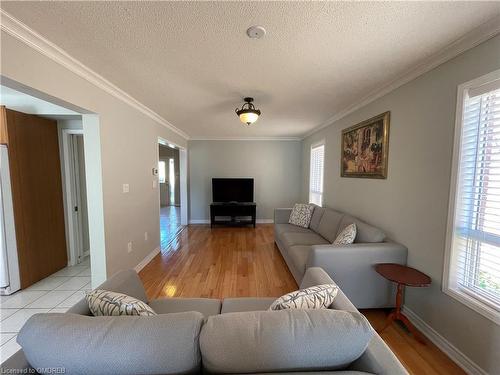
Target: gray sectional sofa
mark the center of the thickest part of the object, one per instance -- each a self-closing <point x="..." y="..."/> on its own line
<point x="194" y="335"/>
<point x="350" y="266"/>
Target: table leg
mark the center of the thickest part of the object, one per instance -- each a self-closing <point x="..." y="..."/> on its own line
<point x="390" y="318"/>
<point x="398" y="315"/>
<point x="416" y="334"/>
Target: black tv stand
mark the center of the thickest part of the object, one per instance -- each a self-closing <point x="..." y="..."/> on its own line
<point x="233" y="213"/>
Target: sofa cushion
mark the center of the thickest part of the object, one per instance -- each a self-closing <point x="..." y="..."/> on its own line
<point x="365" y="233"/>
<point x="301" y="215"/>
<point x="346" y="236"/>
<point x="309" y="238"/>
<point x="286" y="340"/>
<point x="161" y="344"/>
<point x="299" y="254"/>
<point x="329" y="224"/>
<point x="107" y="303"/>
<point x="126" y="282"/>
<point x="206" y="306"/>
<point x="279" y="229"/>
<point x="244" y="304"/>
<point x="314" y="297"/>
<point x="316" y="218"/>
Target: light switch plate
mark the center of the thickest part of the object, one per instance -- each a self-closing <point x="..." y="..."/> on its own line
<point x="126" y="188"/>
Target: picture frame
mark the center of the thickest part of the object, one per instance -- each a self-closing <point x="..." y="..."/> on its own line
<point x="365" y="148"/>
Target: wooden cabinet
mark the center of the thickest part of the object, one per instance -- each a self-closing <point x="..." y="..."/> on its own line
<point x="35" y="172"/>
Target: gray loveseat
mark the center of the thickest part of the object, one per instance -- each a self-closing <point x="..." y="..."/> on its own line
<point x="350" y="266"/>
<point x="189" y="337"/>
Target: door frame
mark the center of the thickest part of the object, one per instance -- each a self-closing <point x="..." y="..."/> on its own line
<point x="182" y="177"/>
<point x="75" y="228"/>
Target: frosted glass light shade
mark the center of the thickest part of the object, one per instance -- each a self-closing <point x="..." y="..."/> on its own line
<point x="249" y="117"/>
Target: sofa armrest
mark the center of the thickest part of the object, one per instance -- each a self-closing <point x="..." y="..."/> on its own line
<point x="378" y="359"/>
<point x="352" y="269"/>
<point x="315" y="276"/>
<point x="127" y="282"/>
<point x="282" y="215"/>
<point x="357" y="253"/>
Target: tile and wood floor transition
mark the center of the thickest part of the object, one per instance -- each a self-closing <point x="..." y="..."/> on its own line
<point x="243" y="262"/>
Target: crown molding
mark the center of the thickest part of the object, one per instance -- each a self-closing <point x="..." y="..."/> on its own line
<point x="470" y="40"/>
<point x="245" y="138"/>
<point x="18" y="30"/>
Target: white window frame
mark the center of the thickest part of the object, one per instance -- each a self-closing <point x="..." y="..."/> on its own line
<point x="313" y="146"/>
<point x="472" y="301"/>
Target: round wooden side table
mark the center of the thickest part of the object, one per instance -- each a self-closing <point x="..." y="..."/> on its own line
<point x="402" y="276"/>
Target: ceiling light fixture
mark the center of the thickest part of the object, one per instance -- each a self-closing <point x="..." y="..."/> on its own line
<point x="248" y="114"/>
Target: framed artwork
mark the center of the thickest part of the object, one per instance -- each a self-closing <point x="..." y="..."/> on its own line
<point x="365" y="148"/>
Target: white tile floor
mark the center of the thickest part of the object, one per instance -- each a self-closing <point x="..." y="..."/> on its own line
<point x="56" y="293"/>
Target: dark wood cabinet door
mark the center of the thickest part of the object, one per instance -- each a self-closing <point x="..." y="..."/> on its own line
<point x="35" y="171"/>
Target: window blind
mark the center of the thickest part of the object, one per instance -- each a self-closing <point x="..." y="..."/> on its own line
<point x="316" y="175"/>
<point x="475" y="266"/>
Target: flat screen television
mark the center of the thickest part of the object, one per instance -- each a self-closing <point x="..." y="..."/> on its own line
<point x="232" y="190"/>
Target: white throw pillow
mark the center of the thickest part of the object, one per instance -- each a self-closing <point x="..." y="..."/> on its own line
<point x="301" y="215"/>
<point x="347" y="236"/>
<point x="106" y="303"/>
<point x="315" y="297"/>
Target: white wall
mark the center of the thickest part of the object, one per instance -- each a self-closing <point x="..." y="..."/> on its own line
<point x="129" y="151"/>
<point x="411" y="204"/>
<point x="275" y="166"/>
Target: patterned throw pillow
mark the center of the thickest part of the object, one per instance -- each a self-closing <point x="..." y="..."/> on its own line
<point x="347" y="236"/>
<point x="301" y="215"/>
<point x="106" y="303"/>
<point x="315" y="297"/>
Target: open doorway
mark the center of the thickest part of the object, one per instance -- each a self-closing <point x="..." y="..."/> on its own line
<point x="75" y="189"/>
<point x="169" y="164"/>
<point x="36" y="267"/>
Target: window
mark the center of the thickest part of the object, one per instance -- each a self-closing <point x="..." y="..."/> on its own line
<point x="472" y="273"/>
<point x="316" y="174"/>
<point x="161" y="171"/>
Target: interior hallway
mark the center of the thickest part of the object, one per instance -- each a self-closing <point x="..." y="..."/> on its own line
<point x="170" y="225"/>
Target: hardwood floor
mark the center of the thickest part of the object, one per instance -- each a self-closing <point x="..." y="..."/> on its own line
<point x="417" y="358"/>
<point x="170" y="224"/>
<point x="218" y="263"/>
<point x="244" y="262"/>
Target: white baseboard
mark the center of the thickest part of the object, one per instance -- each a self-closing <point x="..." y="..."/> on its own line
<point x="206" y="221"/>
<point x="265" y="221"/>
<point x="448" y="348"/>
<point x="147" y="259"/>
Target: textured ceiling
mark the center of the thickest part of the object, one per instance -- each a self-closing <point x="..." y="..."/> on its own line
<point x="191" y="62"/>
